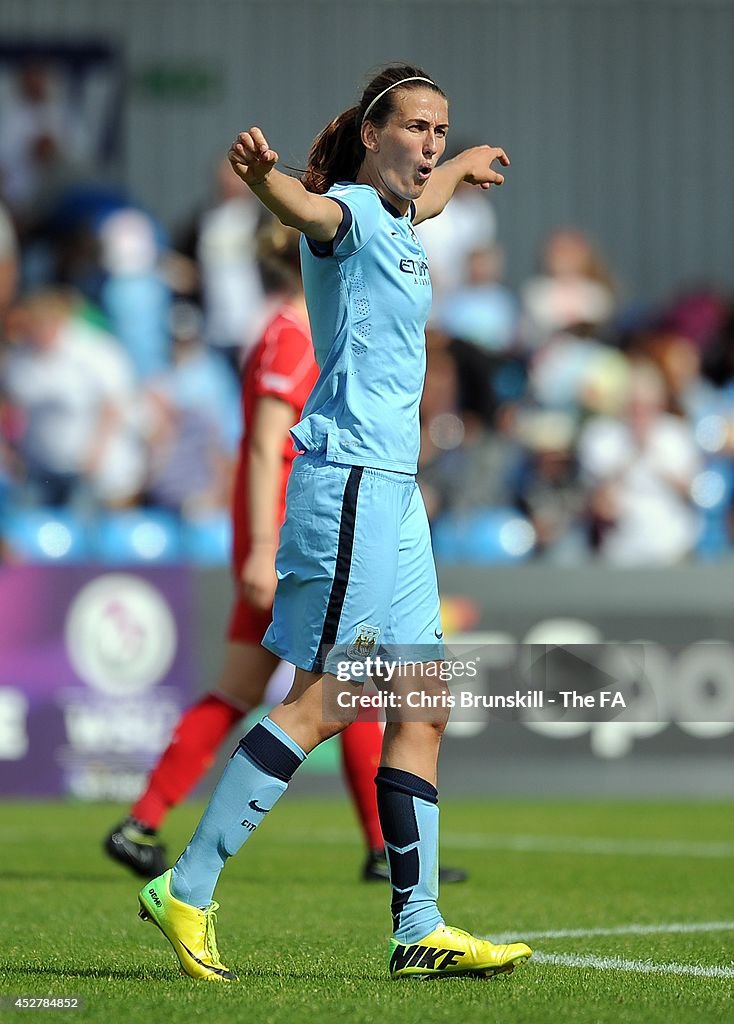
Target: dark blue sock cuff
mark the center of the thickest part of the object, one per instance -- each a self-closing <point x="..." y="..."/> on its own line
<point x="406" y="782"/>
<point x="269" y="753"/>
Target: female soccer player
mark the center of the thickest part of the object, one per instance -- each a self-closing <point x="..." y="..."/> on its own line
<point x="355" y="568"/>
<point x="276" y="382"/>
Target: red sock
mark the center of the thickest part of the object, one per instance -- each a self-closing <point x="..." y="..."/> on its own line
<point x="361" y="749"/>
<point x="192" y="749"/>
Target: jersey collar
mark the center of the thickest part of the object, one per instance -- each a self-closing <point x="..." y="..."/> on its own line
<point x="394" y="211"/>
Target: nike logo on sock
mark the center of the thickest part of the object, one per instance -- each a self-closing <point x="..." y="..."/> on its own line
<point x="256" y="807"/>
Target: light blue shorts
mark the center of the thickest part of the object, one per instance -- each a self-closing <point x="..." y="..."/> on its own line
<point x="355" y="569"/>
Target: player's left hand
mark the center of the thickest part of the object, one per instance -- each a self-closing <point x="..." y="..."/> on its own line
<point x="478" y="165"/>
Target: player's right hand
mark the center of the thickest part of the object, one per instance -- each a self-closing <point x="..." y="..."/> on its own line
<point x="258" y="579"/>
<point x="251" y="157"/>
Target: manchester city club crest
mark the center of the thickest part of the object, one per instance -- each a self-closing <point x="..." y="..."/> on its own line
<point x="364" y="643"/>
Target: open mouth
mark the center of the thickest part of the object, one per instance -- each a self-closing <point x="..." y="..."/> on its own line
<point x="424" y="172"/>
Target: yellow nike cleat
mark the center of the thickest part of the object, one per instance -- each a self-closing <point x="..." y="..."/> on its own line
<point x="450" y="952"/>
<point x="189" y="930"/>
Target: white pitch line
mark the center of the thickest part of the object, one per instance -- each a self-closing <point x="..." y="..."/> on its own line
<point x="615" y="963"/>
<point x="626" y="929"/>
<point x="588" y="845"/>
<point x="528" y="843"/>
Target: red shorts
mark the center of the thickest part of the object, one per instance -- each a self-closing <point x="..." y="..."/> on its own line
<point x="247" y="624"/>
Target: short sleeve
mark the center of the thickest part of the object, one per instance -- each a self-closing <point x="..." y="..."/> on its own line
<point x="361" y="211"/>
<point x="287" y="369"/>
<point x="365" y="211"/>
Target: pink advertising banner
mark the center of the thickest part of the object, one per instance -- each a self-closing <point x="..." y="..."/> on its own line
<point x="95" y="668"/>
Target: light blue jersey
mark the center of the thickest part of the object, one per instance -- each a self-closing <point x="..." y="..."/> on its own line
<point x="368" y="294"/>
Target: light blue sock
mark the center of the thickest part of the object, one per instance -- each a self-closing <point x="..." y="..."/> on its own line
<point x="256" y="777"/>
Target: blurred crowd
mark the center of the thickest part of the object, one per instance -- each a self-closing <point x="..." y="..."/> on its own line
<point x="559" y="422"/>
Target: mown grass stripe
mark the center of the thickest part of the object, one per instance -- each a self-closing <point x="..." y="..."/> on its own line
<point x="528" y="843"/>
<point x="588" y="845"/>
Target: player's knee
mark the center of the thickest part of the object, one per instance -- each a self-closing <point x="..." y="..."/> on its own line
<point x="326" y="730"/>
<point x="437" y="723"/>
<point x="429" y="729"/>
<point x="431" y="710"/>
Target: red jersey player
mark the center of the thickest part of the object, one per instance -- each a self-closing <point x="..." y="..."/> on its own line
<point x="277" y="380"/>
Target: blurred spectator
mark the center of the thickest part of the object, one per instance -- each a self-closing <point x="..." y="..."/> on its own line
<point x="463" y="465"/>
<point x="196" y="424"/>
<point x="441" y="427"/>
<point x="80" y="436"/>
<point x="572" y="372"/>
<point x="199" y="378"/>
<point x="62" y="244"/>
<point x="548" y="490"/>
<point x="231" y="285"/>
<point x="698" y="314"/>
<point x="8" y="260"/>
<point x="135" y="296"/>
<point x="481" y="319"/>
<point x="706" y="319"/>
<point x="467" y="224"/>
<point x="678" y="359"/>
<point x="482" y="310"/>
<point x="486" y="381"/>
<point x="573" y="291"/>
<point x="190" y="468"/>
<point x="639" y="471"/>
<point x="42" y="140"/>
<point x="475" y="474"/>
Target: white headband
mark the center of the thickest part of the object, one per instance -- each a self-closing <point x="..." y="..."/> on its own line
<point x="415" y="78"/>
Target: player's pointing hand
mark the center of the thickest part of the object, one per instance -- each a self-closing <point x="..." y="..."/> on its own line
<point x="479" y="170"/>
<point x="251" y="156"/>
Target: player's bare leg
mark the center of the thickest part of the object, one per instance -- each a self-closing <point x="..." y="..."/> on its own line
<point x="310" y="713"/>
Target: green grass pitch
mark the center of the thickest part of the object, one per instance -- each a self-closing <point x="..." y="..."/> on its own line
<point x="645" y="889"/>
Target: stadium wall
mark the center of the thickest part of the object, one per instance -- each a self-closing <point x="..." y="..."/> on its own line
<point x="616" y="113"/>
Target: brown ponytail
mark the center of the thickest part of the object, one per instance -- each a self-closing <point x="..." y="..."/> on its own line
<point x="337" y="152"/>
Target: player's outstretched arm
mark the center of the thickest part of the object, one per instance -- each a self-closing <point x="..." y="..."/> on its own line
<point x="254" y="161"/>
<point x="473" y="165"/>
